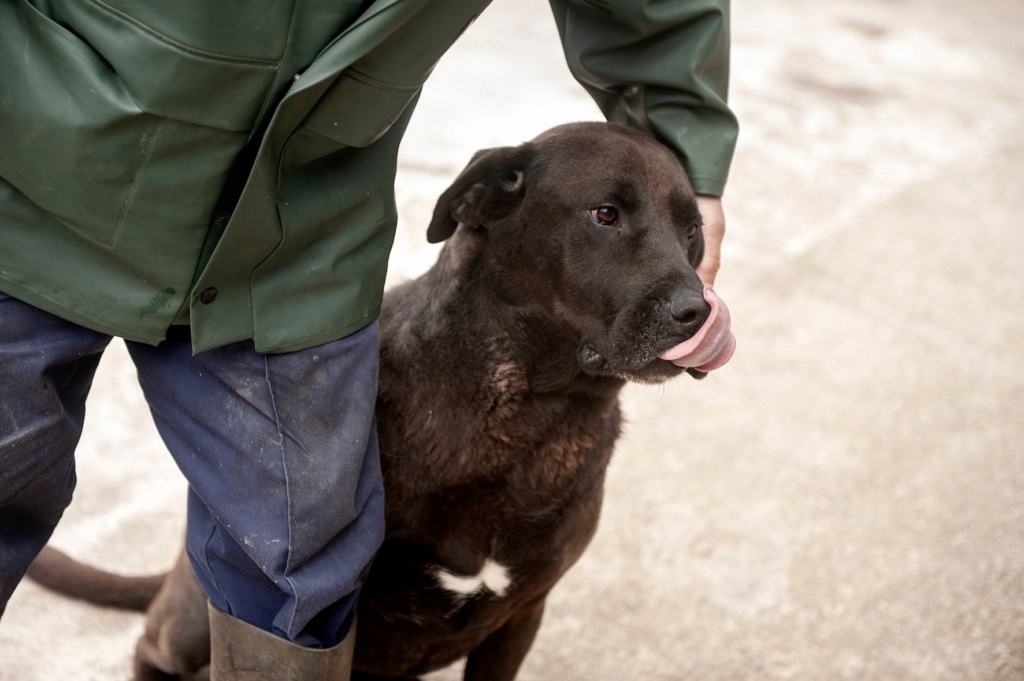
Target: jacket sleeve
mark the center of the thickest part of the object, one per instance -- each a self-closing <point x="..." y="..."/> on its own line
<point x="662" y="67"/>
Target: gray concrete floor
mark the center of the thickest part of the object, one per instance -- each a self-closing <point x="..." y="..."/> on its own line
<point x="845" y="500"/>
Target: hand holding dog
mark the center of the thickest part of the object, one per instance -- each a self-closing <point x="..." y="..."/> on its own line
<point x="714" y="231"/>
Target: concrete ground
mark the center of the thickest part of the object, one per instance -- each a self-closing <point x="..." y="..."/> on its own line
<point x="845" y="500"/>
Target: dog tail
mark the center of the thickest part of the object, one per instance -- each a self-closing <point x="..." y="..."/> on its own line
<point x="65" y="575"/>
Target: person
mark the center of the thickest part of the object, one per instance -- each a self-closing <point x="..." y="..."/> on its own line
<point x="213" y="183"/>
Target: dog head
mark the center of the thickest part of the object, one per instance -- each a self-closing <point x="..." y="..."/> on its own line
<point x="596" y="227"/>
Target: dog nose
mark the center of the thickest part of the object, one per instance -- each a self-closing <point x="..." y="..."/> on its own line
<point x="689" y="308"/>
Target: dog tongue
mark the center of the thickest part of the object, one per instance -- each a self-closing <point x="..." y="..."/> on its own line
<point x="712" y="346"/>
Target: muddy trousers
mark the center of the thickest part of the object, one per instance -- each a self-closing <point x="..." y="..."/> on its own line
<point x="285" y="502"/>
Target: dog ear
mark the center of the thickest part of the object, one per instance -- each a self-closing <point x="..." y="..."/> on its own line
<point x="490" y="185"/>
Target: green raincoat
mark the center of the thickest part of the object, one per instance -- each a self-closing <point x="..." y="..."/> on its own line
<point x="231" y="164"/>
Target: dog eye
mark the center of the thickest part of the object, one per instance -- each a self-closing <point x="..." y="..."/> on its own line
<point x="605" y="215"/>
<point x="692" y="231"/>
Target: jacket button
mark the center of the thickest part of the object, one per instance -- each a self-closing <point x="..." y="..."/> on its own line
<point x="208" y="296"/>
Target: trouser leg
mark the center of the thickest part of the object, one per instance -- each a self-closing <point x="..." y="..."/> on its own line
<point x="286" y="500"/>
<point x="47" y="366"/>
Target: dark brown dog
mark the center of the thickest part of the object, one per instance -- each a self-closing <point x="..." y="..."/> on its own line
<point x="568" y="270"/>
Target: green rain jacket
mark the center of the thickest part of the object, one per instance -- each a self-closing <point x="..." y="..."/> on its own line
<point x="230" y="165"/>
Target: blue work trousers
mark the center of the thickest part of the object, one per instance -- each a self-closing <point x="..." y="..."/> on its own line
<point x="285" y="502"/>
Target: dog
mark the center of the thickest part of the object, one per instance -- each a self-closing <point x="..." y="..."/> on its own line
<point x="568" y="270"/>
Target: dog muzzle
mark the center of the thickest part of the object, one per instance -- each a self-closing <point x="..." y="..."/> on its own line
<point x="713" y="344"/>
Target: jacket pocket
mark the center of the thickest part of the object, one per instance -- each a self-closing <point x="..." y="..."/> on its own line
<point x="357" y="109"/>
<point x="171" y="78"/>
<point x="107" y="151"/>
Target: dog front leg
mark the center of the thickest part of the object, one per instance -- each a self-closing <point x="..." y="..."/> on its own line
<point x="499" y="656"/>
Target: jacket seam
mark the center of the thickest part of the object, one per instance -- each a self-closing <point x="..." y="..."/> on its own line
<point x="262" y="118"/>
<point x="276" y="63"/>
<point x="355" y="73"/>
<point x="136" y="181"/>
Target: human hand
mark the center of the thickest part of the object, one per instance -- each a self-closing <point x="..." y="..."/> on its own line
<point x="713" y="214"/>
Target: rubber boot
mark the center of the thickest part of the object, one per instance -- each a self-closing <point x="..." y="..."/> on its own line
<point x="240" y="651"/>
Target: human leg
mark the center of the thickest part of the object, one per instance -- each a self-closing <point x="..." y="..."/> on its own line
<point x="47" y="366"/>
<point x="286" y="499"/>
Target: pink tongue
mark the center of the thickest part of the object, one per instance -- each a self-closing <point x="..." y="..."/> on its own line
<point x="712" y="346"/>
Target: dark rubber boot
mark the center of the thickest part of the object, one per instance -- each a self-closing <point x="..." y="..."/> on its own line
<point x="240" y="651"/>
